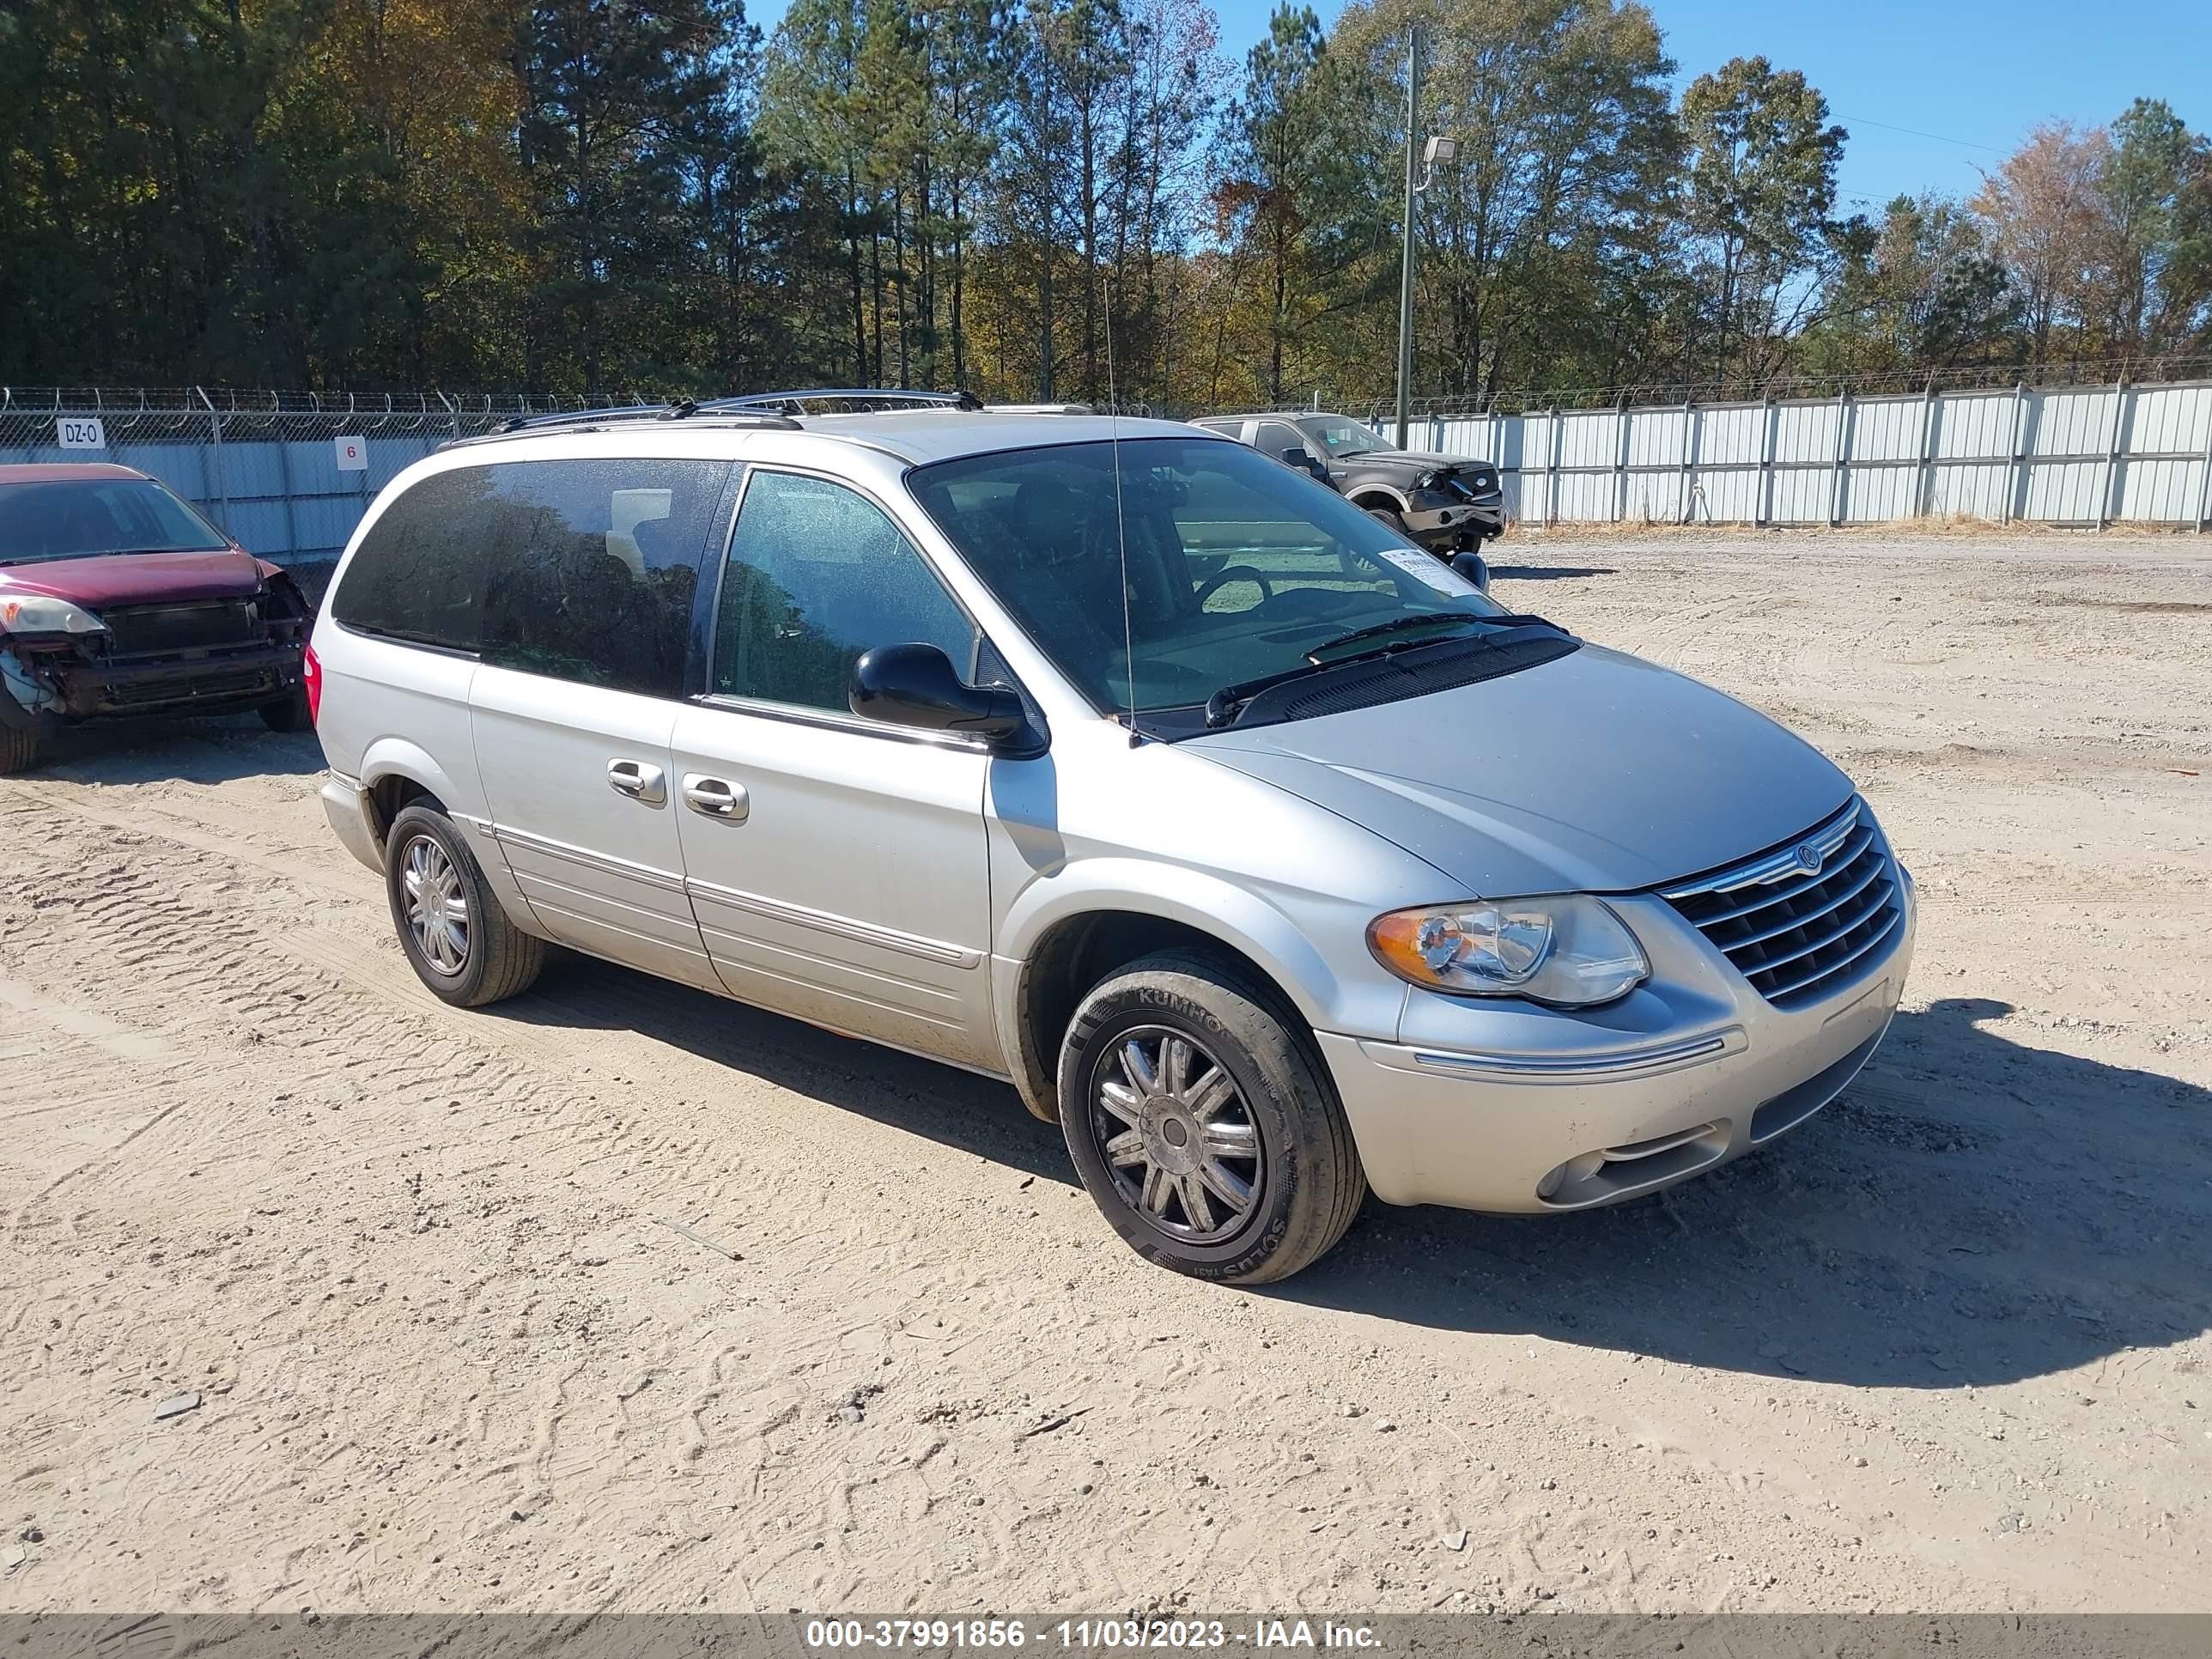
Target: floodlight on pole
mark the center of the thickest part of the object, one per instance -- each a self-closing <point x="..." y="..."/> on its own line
<point x="1421" y="163"/>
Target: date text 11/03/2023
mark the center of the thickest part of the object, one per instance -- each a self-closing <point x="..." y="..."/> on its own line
<point x="941" y="1635"/>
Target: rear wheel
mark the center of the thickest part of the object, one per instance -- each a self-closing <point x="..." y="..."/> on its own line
<point x="288" y="713"/>
<point x="457" y="938"/>
<point x="20" y="751"/>
<point x="1203" y="1125"/>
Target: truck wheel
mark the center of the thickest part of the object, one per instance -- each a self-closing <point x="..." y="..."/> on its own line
<point x="1202" y="1124"/>
<point x="456" y="936"/>
<point x="1386" y="515"/>
<point x="20" y="751"/>
<point x="288" y="713"/>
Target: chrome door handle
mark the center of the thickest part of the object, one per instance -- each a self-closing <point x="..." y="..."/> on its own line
<point x="638" y="779"/>
<point x="717" y="797"/>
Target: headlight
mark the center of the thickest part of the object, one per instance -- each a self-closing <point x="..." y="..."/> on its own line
<point x="1429" y="480"/>
<point x="1567" y="950"/>
<point x="41" y="615"/>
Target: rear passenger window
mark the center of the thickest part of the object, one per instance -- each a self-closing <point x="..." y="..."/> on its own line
<point x="418" y="574"/>
<point x="816" y="575"/>
<point x="591" y="567"/>
<point x="580" y="570"/>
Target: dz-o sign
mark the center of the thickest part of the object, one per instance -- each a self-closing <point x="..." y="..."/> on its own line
<point x="79" y="432"/>
<point x="353" y="455"/>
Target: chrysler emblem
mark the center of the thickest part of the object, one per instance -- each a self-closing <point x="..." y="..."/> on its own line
<point x="1810" y="859"/>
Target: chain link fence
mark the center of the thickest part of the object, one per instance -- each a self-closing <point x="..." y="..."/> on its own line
<point x="288" y="474"/>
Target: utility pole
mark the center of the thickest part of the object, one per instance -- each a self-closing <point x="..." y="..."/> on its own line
<point x="1413" y="189"/>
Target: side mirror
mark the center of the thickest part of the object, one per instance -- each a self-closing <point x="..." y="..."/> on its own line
<point x="1474" y="568"/>
<point x="915" y="685"/>
<point x="1306" y="462"/>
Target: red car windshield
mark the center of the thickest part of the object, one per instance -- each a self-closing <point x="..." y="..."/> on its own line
<point x="80" y="519"/>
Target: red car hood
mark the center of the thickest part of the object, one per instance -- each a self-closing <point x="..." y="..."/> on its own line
<point x="139" y="578"/>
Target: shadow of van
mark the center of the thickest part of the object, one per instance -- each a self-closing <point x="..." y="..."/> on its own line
<point x="1972" y="1210"/>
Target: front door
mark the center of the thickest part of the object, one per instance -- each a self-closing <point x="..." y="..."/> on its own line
<point x="589" y="594"/>
<point x="837" y="867"/>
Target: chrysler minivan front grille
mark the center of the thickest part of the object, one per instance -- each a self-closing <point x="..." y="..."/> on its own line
<point x="1802" y="921"/>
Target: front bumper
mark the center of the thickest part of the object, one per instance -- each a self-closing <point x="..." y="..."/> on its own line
<point x="82" y="688"/>
<point x="1456" y="527"/>
<point x="1508" y="1107"/>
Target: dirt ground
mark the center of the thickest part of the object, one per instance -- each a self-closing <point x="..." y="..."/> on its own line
<point x="621" y="1297"/>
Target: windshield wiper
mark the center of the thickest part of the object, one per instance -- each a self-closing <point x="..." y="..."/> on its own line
<point x="101" y="553"/>
<point x="1377" y="630"/>
<point x="1224" y="706"/>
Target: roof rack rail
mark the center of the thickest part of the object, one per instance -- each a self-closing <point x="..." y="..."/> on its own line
<point x="588" y="420"/>
<point x="794" y="403"/>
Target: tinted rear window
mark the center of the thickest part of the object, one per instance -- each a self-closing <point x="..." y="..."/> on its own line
<point x="593" y="567"/>
<point x="418" y="575"/>
<point x="579" y="570"/>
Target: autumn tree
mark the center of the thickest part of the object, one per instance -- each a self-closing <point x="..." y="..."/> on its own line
<point x="1758" y="192"/>
<point x="1033" y="199"/>
<point x="1567" y="144"/>
<point x="2045" y="213"/>
<point x="1273" y="194"/>
<point x="1923" y="289"/>
<point x="2145" y="181"/>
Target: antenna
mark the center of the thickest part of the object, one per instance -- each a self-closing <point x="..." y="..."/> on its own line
<point x="1121" y="525"/>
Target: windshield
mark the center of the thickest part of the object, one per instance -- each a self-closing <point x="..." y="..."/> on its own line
<point x="1237" y="567"/>
<point x="84" y="518"/>
<point x="1340" y="436"/>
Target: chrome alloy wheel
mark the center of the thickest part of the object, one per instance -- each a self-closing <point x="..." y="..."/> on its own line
<point x="1182" y="1144"/>
<point x="437" y="913"/>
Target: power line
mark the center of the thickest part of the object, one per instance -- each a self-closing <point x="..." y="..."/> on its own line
<point x="1915" y="132"/>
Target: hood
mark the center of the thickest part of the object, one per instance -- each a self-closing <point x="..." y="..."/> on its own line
<point x="1415" y="457"/>
<point x="140" y="578"/>
<point x="1595" y="772"/>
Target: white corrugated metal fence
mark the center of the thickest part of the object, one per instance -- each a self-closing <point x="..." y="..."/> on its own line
<point x="2063" y="455"/>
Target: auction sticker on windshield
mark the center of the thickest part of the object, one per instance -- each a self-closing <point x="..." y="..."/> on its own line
<point x="1440" y="577"/>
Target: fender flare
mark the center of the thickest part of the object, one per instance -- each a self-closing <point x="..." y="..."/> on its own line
<point x="1353" y="492"/>
<point x="1233" y="915"/>
<point x="391" y="756"/>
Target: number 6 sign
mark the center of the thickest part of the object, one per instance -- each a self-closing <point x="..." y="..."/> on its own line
<point x="353" y="455"/>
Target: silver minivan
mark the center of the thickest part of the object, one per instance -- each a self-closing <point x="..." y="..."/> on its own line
<point x="1264" y="854"/>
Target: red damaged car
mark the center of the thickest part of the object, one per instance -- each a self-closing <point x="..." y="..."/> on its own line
<point x="117" y="600"/>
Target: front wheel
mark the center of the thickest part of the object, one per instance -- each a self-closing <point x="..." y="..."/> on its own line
<point x="288" y="713"/>
<point x="457" y="938"/>
<point x="1203" y="1125"/>
<point x="20" y="751"/>
<point x="1386" y="515"/>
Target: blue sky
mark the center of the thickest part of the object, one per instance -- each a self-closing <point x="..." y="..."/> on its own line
<point x="1974" y="72"/>
<point x="1966" y="70"/>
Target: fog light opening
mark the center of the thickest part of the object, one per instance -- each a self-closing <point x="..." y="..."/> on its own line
<point x="1575" y="1168"/>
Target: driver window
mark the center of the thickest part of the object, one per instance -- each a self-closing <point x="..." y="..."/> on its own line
<point x="816" y="575"/>
<point x="1277" y="440"/>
